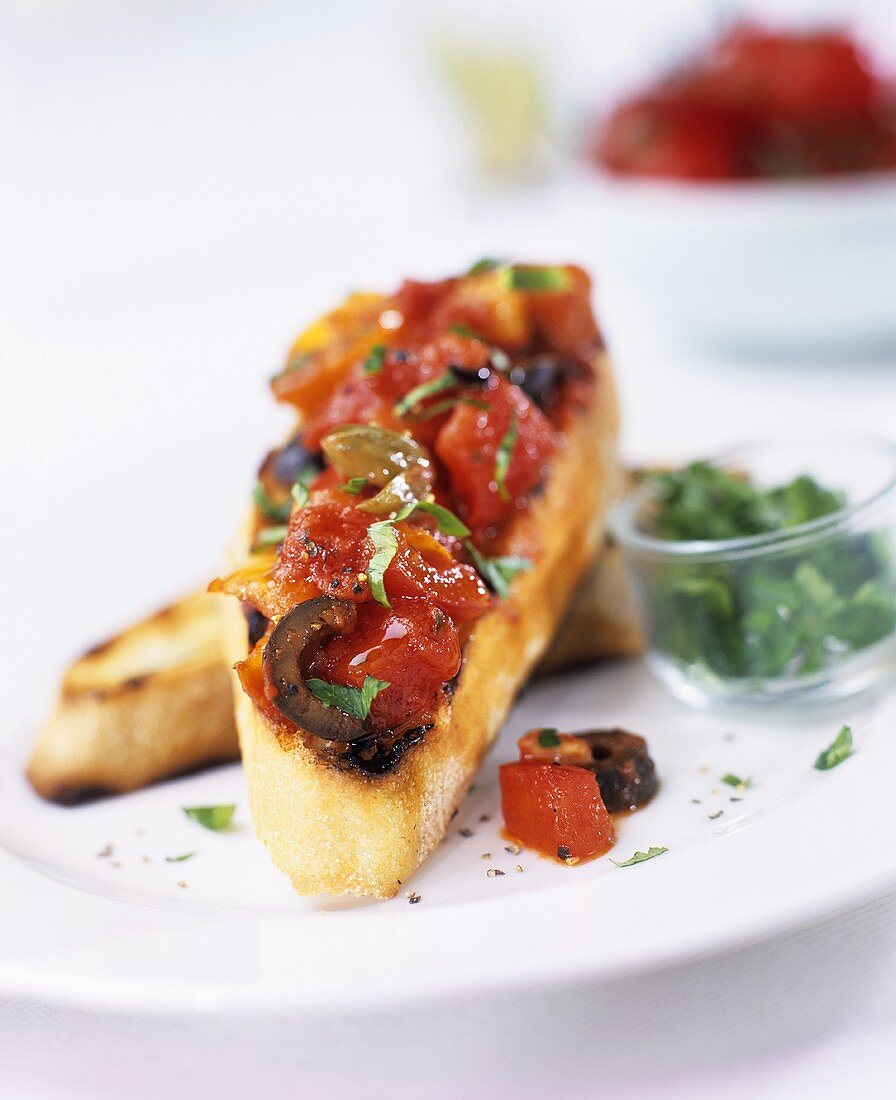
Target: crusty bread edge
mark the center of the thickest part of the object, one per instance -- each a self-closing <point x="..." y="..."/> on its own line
<point x="118" y="725"/>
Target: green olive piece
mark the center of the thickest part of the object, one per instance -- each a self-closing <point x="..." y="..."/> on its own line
<point x="406" y="488"/>
<point x="394" y="463"/>
<point x="373" y="453"/>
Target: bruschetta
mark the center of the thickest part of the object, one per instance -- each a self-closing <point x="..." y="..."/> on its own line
<point x="408" y="556"/>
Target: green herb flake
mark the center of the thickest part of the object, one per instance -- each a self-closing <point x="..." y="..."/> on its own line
<point x="385" y="547"/>
<point x="535" y="278"/>
<point x="420" y="393"/>
<point x="179" y="859"/>
<point x="736" y="781"/>
<point x="498" y="573"/>
<point x="504" y="454"/>
<point x="840" y="749"/>
<point x="269" y="508"/>
<point x="301" y="490"/>
<point x="640" y="857"/>
<point x="268" y="537"/>
<point x="373" y="364"/>
<point x="446" y="521"/>
<point x="355" y="485"/>
<point x="353" y="701"/>
<point x="485" y="265"/>
<point x="215" y="818"/>
<point x="548" y="739"/>
<point x="466" y="332"/>
<point x="447" y="405"/>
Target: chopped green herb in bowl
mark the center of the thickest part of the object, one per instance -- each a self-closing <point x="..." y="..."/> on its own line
<point x="774" y="589"/>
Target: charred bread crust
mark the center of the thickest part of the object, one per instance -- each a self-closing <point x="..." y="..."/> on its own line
<point x="150" y="703"/>
<point x="339" y="829"/>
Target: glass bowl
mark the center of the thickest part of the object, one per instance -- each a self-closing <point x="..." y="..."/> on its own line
<point x="804" y="613"/>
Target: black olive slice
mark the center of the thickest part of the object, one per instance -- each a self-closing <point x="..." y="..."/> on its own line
<point x="257" y="624"/>
<point x="625" y="772"/>
<point x="290" y="460"/>
<point x="287" y="652"/>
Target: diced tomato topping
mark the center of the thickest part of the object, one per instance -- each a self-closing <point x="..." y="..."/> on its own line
<point x="328" y="547"/>
<point x="555" y="809"/>
<point x="424" y="567"/>
<point x="373" y="398"/>
<point x="469" y="443"/>
<point x="551" y="747"/>
<point x="412" y="645"/>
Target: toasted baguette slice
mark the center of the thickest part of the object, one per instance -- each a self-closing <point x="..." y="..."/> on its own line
<point x="152" y="702"/>
<point x="337" y="830"/>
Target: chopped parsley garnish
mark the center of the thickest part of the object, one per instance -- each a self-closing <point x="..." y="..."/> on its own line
<point x="789" y="614"/>
<point x="269" y="508"/>
<point x="300" y="491"/>
<point x="179" y="859"/>
<point x="548" y="739"/>
<point x="268" y="537"/>
<point x="353" y="701"/>
<point x="504" y="454"/>
<point x="385" y="547"/>
<point x="465" y="331"/>
<point x="446" y="521"/>
<point x="485" y="265"/>
<point x="212" y="817"/>
<point x="497" y="572"/>
<point x="355" y="485"/>
<point x="447" y="405"/>
<point x="736" y="781"/>
<point x="839" y="750"/>
<point x="535" y="278"/>
<point x="640" y="857"/>
<point x="704" y="501"/>
<point x="373" y="364"/>
<point x="418" y="394"/>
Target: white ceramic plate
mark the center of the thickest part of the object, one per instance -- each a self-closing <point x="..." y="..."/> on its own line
<point x="118" y="930"/>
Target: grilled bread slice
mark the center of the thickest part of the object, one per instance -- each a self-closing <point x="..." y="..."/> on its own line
<point x="150" y="703"/>
<point x="335" y="828"/>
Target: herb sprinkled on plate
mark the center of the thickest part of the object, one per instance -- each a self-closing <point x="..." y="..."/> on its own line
<point x="840" y="749"/>
<point x="640" y="857"/>
<point x="737" y="782"/>
<point x="215" y="818"/>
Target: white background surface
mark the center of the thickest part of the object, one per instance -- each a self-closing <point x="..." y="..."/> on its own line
<point x="184" y="186"/>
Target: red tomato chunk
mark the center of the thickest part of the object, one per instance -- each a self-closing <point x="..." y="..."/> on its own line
<point x="556" y="809"/>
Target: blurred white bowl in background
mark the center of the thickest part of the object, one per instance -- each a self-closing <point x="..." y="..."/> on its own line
<point x="774" y="267"/>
